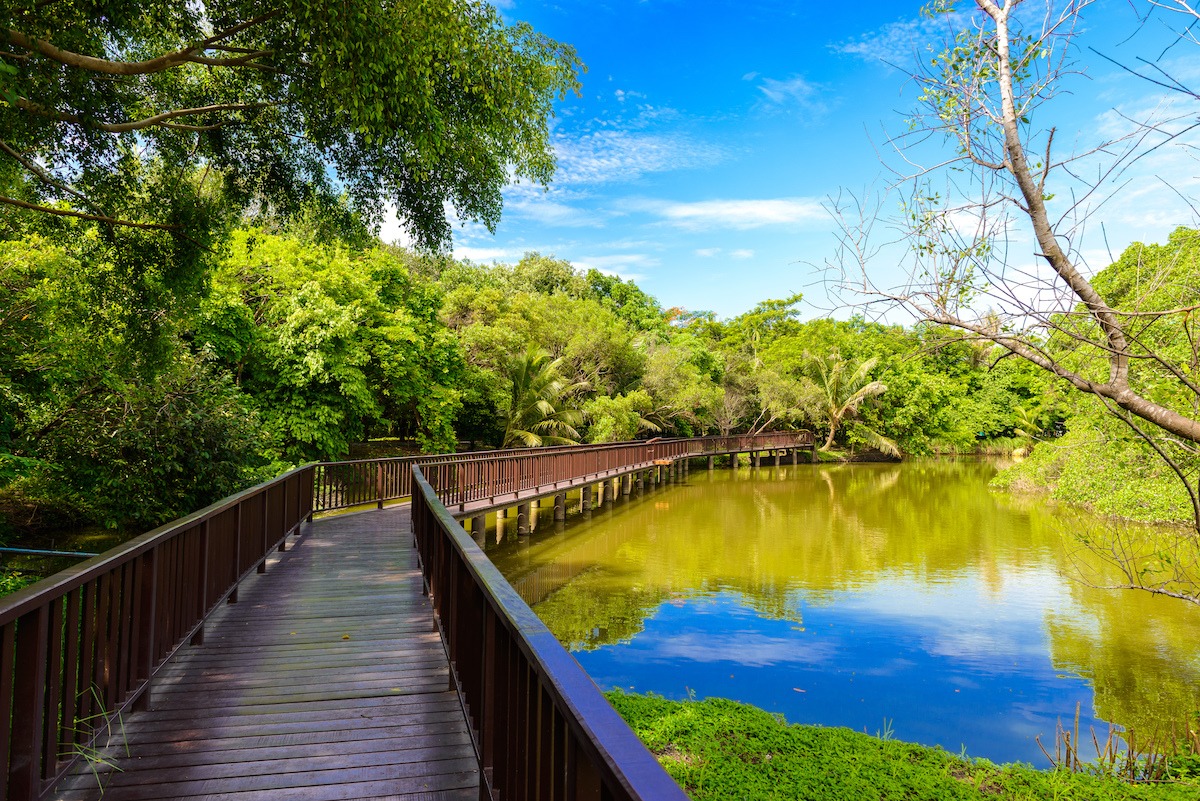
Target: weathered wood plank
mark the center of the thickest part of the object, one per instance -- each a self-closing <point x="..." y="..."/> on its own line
<point x="326" y="681"/>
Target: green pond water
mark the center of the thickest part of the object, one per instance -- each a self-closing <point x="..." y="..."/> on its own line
<point x="905" y="599"/>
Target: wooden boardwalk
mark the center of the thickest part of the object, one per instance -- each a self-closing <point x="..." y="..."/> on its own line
<point x="327" y="680"/>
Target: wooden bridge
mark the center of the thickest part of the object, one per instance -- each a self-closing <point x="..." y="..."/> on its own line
<point x="248" y="651"/>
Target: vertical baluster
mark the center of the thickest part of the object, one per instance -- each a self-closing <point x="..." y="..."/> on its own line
<point x="29" y="696"/>
<point x="70" y="679"/>
<point x="147" y="621"/>
<point x="100" y="666"/>
<point x="53" y="681"/>
<point x="8" y="644"/>
<point x="124" y="639"/>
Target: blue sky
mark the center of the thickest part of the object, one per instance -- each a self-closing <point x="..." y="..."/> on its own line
<point x="710" y="135"/>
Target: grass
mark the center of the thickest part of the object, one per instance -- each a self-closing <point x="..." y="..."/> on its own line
<point x="720" y="750"/>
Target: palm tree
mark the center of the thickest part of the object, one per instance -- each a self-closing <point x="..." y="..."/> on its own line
<point x="842" y="389"/>
<point x="540" y="411"/>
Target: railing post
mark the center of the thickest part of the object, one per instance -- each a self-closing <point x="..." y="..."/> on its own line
<point x="148" y="621"/>
<point x="198" y="637"/>
<point x="379" y="485"/>
<point x="29" y="714"/>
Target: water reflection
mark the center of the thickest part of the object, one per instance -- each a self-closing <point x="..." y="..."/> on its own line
<point x="850" y="595"/>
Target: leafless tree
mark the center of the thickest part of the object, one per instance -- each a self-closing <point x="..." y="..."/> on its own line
<point x="967" y="218"/>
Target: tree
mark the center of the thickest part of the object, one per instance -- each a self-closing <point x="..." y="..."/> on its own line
<point x="984" y="94"/>
<point x="842" y="390"/>
<point x="334" y="345"/>
<point x="130" y="112"/>
<point x="540" y="410"/>
<point x="105" y="415"/>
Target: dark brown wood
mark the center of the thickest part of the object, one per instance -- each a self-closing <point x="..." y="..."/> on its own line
<point x="326" y="681"/>
<point x="29" y="694"/>
<point x="8" y="639"/>
<point x="54" y="677"/>
<point x="541" y="688"/>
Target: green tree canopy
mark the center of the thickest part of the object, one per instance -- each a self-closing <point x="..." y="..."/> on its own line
<point x="126" y="111"/>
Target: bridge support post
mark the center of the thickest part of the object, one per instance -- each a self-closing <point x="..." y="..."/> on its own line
<point x="814" y="453"/>
<point x="585" y="500"/>
<point x="523" y="518"/>
<point x="560" y="507"/>
<point x="501" y="513"/>
<point x="640" y="481"/>
<point x="478" y="524"/>
<point x="627" y="484"/>
<point x="777" y="457"/>
<point x="795" y="457"/>
<point x="757" y="459"/>
<point x="710" y="463"/>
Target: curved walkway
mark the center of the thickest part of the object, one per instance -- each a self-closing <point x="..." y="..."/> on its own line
<point x="326" y="680"/>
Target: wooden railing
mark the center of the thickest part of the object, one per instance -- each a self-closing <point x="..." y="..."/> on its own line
<point x="462" y="478"/>
<point x="79" y="648"/>
<point x="542" y="728"/>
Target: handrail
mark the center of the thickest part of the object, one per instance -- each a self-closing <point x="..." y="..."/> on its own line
<point x="541" y="726"/>
<point x="80" y="647"/>
<point x="340" y="485"/>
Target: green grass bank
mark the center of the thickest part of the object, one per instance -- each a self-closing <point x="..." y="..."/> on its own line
<point x="721" y="750"/>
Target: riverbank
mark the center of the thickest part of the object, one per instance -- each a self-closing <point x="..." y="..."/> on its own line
<point x="719" y="749"/>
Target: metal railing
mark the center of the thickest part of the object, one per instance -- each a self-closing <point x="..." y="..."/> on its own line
<point x="79" y="648"/>
<point x="541" y="726"/>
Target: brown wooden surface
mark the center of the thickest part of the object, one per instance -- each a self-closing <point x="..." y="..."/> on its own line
<point x="327" y="680"/>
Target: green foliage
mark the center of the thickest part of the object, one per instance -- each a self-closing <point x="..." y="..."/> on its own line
<point x="843" y="388"/>
<point x="1101" y="464"/>
<point x="104" y="415"/>
<point x="540" y="409"/>
<point x="412" y="103"/>
<point x="718" y="749"/>
<point x="333" y="344"/>
<point x="619" y="418"/>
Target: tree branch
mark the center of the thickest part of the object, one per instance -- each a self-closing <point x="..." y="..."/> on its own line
<point x="40" y="173"/>
<point x="137" y="125"/>
<point x="81" y="215"/>
<point x="163" y="62"/>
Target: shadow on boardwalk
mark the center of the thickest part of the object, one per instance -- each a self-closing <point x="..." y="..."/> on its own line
<point x="327" y="680"/>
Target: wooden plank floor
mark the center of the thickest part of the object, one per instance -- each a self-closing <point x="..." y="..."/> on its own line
<point x="327" y="680"/>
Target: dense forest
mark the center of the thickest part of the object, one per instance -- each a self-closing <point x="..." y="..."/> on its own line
<point x="128" y="397"/>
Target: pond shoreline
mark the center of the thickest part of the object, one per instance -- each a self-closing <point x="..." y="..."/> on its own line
<point x="719" y="749"/>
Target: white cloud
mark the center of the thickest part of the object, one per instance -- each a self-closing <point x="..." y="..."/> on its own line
<point x="709" y="253"/>
<point x="796" y="91"/>
<point x="735" y="214"/>
<point x="899" y="41"/>
<point x="392" y="230"/>
<point x="546" y="211"/>
<point x="627" y="266"/>
<point x="486" y="254"/>
<point x="608" y="156"/>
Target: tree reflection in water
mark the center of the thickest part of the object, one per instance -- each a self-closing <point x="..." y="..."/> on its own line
<point x="848" y="594"/>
